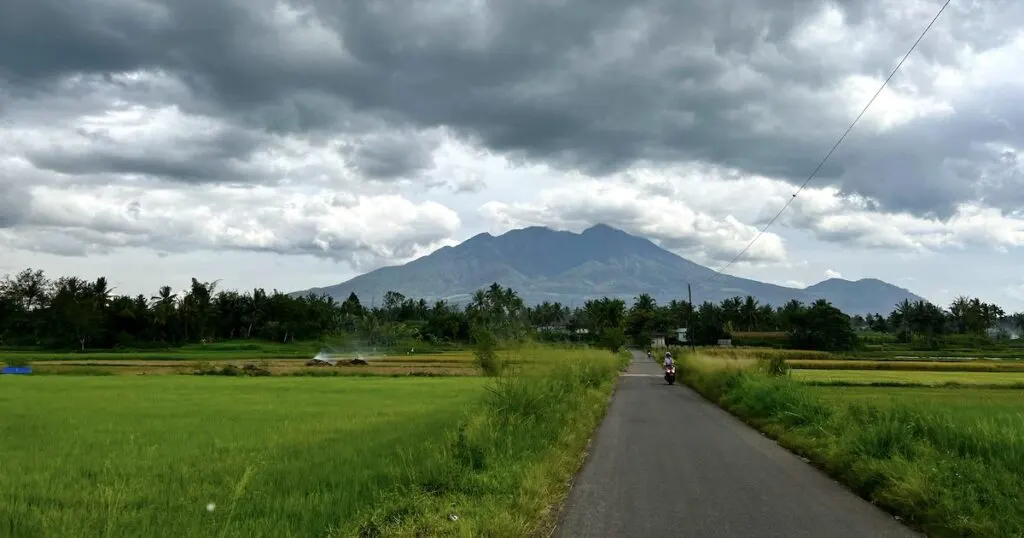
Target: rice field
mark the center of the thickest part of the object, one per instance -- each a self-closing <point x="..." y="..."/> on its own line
<point x="926" y="377"/>
<point x="980" y="404"/>
<point x="180" y="456"/>
<point x="187" y="361"/>
<point x="145" y="456"/>
<point x="266" y="357"/>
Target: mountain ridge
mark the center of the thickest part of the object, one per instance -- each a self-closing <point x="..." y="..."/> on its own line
<point x="543" y="264"/>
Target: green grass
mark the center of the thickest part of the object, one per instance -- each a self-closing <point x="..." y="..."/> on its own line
<point x="142" y="456"/>
<point x="949" y="461"/>
<point x="908" y="377"/>
<point x="821" y="360"/>
<point x="227" y="350"/>
<point x="949" y="354"/>
<point x="234" y="350"/>
<point x="908" y="365"/>
<point x="967" y="403"/>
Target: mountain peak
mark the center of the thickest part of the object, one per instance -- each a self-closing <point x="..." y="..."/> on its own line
<point x="599" y="227"/>
<point x="603" y="229"/>
<point x="478" y="238"/>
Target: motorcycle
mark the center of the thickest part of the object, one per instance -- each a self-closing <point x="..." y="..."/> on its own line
<point x="670" y="374"/>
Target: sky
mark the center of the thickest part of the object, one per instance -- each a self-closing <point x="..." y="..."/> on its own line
<point x="287" y="145"/>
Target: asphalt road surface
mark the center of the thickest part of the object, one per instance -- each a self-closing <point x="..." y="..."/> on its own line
<point x="666" y="462"/>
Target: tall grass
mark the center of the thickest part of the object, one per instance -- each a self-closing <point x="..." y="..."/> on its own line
<point x="503" y="469"/>
<point x="948" y="474"/>
<point x="756" y="353"/>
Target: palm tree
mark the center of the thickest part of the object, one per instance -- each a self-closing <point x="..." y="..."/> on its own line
<point x="959" y="310"/>
<point x="163" y="308"/>
<point x="101" y="291"/>
<point x="902" y="316"/>
<point x="644" y="303"/>
<point x="749" y="313"/>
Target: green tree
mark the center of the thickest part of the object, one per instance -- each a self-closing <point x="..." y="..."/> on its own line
<point x="822" y="327"/>
<point x="641" y="320"/>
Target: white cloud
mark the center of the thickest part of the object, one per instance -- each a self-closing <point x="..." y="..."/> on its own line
<point x="668" y="220"/>
<point x="829" y="273"/>
<point x="365" y="230"/>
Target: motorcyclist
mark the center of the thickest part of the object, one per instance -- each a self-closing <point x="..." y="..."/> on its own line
<point x="668" y="362"/>
<point x="649" y="354"/>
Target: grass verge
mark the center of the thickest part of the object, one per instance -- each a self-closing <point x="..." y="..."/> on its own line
<point x="503" y="471"/>
<point x="946" y="472"/>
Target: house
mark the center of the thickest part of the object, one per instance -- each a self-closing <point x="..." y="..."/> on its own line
<point x="681" y="335"/>
<point x="658" y="341"/>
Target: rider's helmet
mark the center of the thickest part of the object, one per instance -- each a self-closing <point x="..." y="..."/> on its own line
<point x="668" y="354"/>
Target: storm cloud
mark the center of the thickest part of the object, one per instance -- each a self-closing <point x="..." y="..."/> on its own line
<point x="590" y="85"/>
<point x="270" y="122"/>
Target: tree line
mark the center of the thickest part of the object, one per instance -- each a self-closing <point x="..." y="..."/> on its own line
<point x="927" y="322"/>
<point x="74" y="313"/>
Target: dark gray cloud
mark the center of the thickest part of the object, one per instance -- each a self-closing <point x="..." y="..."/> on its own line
<point x="15" y="202"/>
<point x="392" y="155"/>
<point x="590" y="84"/>
<point x="199" y="158"/>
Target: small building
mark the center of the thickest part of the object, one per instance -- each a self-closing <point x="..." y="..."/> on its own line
<point x="658" y="341"/>
<point x="681" y="335"/>
<point x="725" y="342"/>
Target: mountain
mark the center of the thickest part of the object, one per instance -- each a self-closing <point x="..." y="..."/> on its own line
<point x="548" y="265"/>
<point x="862" y="296"/>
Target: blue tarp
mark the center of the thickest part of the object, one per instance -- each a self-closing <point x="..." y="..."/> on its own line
<point x="17" y="370"/>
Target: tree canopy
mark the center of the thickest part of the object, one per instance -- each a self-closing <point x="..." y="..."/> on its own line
<point x="70" y="312"/>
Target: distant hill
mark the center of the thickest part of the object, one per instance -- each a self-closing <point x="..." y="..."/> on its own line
<point x="866" y="295"/>
<point x="542" y="264"/>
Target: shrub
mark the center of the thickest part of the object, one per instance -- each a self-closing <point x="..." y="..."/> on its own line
<point x="613" y="339"/>
<point x="774" y="366"/>
<point x="486" y="353"/>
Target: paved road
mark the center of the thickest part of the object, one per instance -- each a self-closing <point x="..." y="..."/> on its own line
<point x="666" y="462"/>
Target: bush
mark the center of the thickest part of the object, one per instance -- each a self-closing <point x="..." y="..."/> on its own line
<point x="774" y="366"/>
<point x="613" y="339"/>
<point x="486" y="353"/>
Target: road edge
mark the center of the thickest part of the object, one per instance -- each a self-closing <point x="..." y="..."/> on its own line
<point x="806" y="458"/>
<point x="556" y="515"/>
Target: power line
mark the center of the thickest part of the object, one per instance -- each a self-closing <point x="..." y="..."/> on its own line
<point x="836" y="145"/>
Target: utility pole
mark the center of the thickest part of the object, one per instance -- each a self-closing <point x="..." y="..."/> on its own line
<point x="689" y="317"/>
